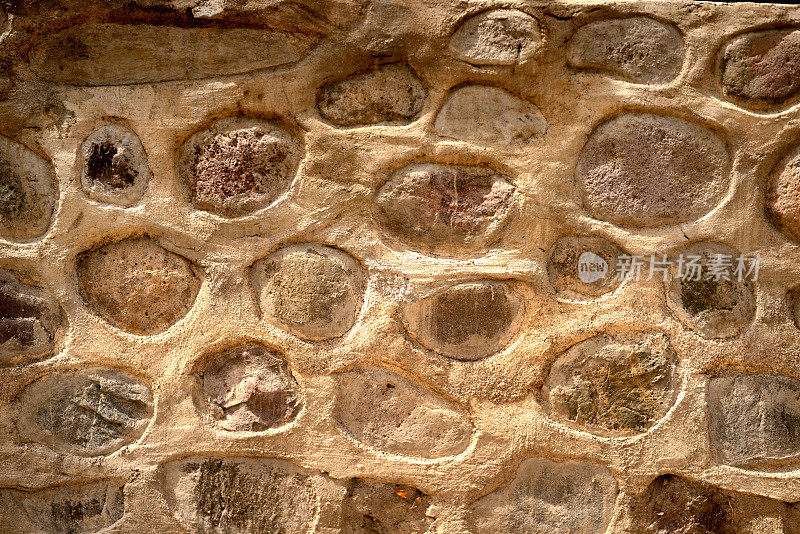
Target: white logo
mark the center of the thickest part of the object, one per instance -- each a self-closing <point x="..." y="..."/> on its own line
<point x="591" y="267"/>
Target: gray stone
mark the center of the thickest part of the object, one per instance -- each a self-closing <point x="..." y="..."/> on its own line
<point x="371" y="507"/>
<point x="496" y="37"/>
<point x="680" y="506"/>
<point x="114" y="166"/>
<point x="74" y="509"/>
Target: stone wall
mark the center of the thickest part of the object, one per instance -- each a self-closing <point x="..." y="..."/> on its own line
<point x="339" y="266"/>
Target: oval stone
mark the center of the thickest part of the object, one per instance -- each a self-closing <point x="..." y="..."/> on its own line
<point x="583" y="267"/>
<point x="496" y="37"/>
<point x="783" y="194"/>
<point x="114" y="166"/>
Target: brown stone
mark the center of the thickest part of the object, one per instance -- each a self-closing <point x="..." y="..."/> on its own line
<point x="680" y="506"/>
<point x="496" y="37"/>
<point x="378" y="508"/>
<point x="583" y="267"/>
<point x="114" y="165"/>
<point x="74" y="509"/>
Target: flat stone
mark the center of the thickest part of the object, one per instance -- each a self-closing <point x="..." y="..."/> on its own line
<point x="313" y="291"/>
<point x="489" y="115"/>
<point x="613" y="384"/>
<point x="74" y="509"/>
<point x="547" y="497"/>
<point x="114" y="166"/>
<point x="645" y="170"/>
<point x="680" y="506"/>
<point x="389" y="94"/>
<point x="137" y="285"/>
<point x="637" y="49"/>
<point x="445" y="208"/>
<point x="250" y="388"/>
<point x="468" y="321"/>
<point x="583" y="267"/>
<point x="496" y="37"/>
<point x="371" y="507"/>
<point x="403" y="418"/>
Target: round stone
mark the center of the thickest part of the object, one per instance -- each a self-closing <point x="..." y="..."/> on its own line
<point x="783" y="194"/>
<point x="496" y="37"/>
<point x="583" y="267"/>
<point x="114" y="166"/>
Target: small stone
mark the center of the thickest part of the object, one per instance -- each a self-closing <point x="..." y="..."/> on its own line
<point x="250" y="388"/>
<point x="613" y="384"/>
<point x="547" y="497"/>
<point x="680" y="506"/>
<point x="74" y="509"/>
<point x="389" y="94"/>
<point x="402" y="418"/>
<point x="238" y="165"/>
<point x="489" y="115"/>
<point x="467" y="321"/>
<point x="754" y="418"/>
<point x="645" y="170"/>
<point x="496" y="37"/>
<point x="452" y="208"/>
<point x="114" y="166"/>
<point x="582" y="267"/>
<point x="137" y="285"/>
<point x="637" y="49"/>
<point x="377" y="508"/>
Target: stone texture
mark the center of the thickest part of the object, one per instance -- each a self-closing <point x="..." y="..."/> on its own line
<point x="373" y="507"/>
<point x="641" y="169"/>
<point x="496" y="37"/>
<point x="680" y="506"/>
<point x="249" y="387"/>
<point x="583" y="267"/>
<point x="77" y="509"/>
<point x="137" y="285"/>
<point x="445" y="207"/>
<point x="114" y="166"/>
<point x="546" y="496"/>
<point x="238" y="165"/>
<point x="489" y="115"/>
<point x="310" y="290"/>
<point x="468" y="321"/>
<point x="636" y="49"/>
<point x="783" y="194"/>
<point x="387" y="94"/>
<point x="623" y="383"/>
<point x="404" y="418"/>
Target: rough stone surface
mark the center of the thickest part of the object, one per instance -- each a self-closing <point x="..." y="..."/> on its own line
<point x="77" y="509"/>
<point x="636" y="49"/>
<point x="310" y="290"/>
<point x="640" y="169"/>
<point x="680" y="506"/>
<point x="137" y="285"/>
<point x="496" y="37"/>
<point x="783" y="194"/>
<point x="372" y="507"/>
<point x="583" y="267"/>
<point x="114" y="165"/>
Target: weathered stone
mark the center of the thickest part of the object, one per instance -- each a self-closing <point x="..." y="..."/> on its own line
<point x="762" y="68"/>
<point x="74" y="509"/>
<point x="137" y="285"/>
<point x="377" y="508"/>
<point x="89" y="413"/>
<point x="467" y="321"/>
<point x="490" y="115"/>
<point x="624" y="383"/>
<point x="388" y="94"/>
<point x="583" y="267"/>
<point x="680" y="506"/>
<point x="250" y="388"/>
<point x="29" y="321"/>
<point x="310" y="290"/>
<point x="238" y="165"/>
<point x="241" y="496"/>
<point x="637" y="49"/>
<point x="445" y="207"/>
<point x="114" y="165"/>
<point x="547" y="497"/>
<point x="403" y="418"/>
<point x="783" y="194"/>
<point x="28" y="192"/>
<point x="754" y="418"/>
<point x="496" y="37"/>
<point x="640" y="169"/>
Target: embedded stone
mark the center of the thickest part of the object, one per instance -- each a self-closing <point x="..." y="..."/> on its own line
<point x="645" y="170"/>
<point x="489" y="115"/>
<point x="636" y="49"/>
<point x="613" y="384"/>
<point x="137" y="285"/>
<point x="546" y="497"/>
<point x="783" y="198"/>
<point x="583" y="267"/>
<point x="74" y="509"/>
<point x="28" y="192"/>
<point x="114" y="166"/>
<point x="467" y="321"/>
<point x="403" y="418"/>
<point x="313" y="291"/>
<point x="496" y="37"/>
<point x="762" y="68"/>
<point x="241" y="495"/>
<point x="388" y="94"/>
<point x="754" y="418"/>
<point x="450" y="208"/>
<point x="88" y="413"/>
<point x="373" y="507"/>
<point x="238" y="165"/>
<point x="677" y="506"/>
<point x="29" y="321"/>
<point x="249" y="387"/>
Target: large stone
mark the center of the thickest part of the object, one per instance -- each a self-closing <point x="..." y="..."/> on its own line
<point x="137" y="285"/>
<point x="114" y="165"/>
<point x="623" y="383"/>
<point x="641" y="169"/>
<point x="583" y="267"/>
<point x="74" y="509"/>
<point x="371" y="507"/>
<point x="468" y="321"/>
<point x="449" y="208"/>
<point x="547" y="497"/>
<point x="496" y="37"/>
<point x="403" y="417"/>
<point x="310" y="290"/>
<point x="637" y="49"/>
